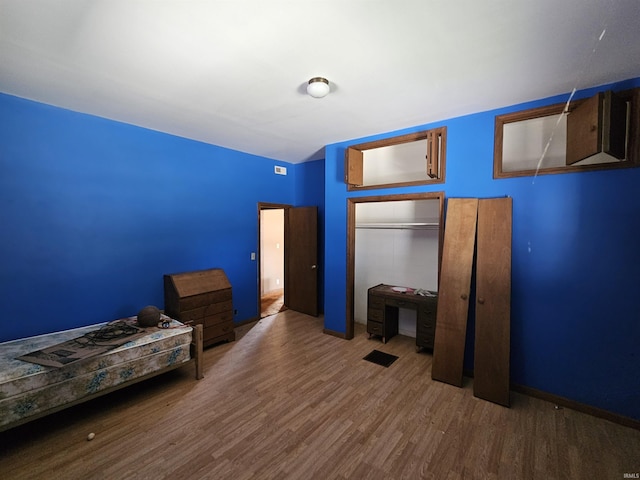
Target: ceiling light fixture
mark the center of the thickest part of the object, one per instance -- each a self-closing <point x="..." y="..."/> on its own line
<point x="318" y="87"/>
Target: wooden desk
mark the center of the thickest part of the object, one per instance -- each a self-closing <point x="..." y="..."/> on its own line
<point x="382" y="313"/>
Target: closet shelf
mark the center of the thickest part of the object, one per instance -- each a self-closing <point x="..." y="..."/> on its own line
<point x="401" y="225"/>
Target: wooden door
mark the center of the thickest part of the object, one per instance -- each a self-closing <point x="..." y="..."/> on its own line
<point x="301" y="259"/>
<point x="354" y="167"/>
<point x="493" y="301"/>
<point x="599" y="124"/>
<point x="454" y="290"/>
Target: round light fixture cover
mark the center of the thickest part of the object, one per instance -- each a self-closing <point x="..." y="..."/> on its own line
<point x="318" y="87"/>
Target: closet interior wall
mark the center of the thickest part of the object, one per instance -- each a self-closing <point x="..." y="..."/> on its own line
<point x="396" y="243"/>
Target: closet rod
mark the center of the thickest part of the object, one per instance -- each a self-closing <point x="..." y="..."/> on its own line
<point x="400" y="226"/>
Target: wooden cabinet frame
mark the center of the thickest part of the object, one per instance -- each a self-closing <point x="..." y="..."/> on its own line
<point x="597" y="131"/>
<point x="435" y="159"/>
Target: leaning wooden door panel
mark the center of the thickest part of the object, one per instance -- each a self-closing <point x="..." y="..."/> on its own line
<point x="493" y="301"/>
<point x="454" y="290"/>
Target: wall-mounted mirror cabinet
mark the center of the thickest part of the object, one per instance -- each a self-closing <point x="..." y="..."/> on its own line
<point x="413" y="159"/>
<point x="595" y="133"/>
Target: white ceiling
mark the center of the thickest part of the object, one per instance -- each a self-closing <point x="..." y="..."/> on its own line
<point x="233" y="73"/>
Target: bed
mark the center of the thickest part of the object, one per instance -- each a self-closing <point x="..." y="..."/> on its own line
<point x="29" y="391"/>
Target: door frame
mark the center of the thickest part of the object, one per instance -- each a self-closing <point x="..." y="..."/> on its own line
<point x="351" y="242"/>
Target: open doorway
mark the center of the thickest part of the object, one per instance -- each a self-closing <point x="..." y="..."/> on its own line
<point x="288" y="258"/>
<point x="272" y="277"/>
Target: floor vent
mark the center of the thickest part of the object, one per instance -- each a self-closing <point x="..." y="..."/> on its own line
<point x="380" y="358"/>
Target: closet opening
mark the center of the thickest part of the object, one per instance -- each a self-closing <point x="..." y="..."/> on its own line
<point x="393" y="240"/>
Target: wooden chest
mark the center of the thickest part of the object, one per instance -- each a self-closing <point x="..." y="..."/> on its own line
<point x="201" y="297"/>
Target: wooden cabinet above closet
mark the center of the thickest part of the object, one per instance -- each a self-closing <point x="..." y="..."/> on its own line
<point x="413" y="159"/>
<point x="597" y="125"/>
<point x="600" y="132"/>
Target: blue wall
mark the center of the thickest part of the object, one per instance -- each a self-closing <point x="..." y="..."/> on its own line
<point x="94" y="212"/>
<point x="575" y="266"/>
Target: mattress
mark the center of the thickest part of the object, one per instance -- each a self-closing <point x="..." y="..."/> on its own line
<point x="28" y="389"/>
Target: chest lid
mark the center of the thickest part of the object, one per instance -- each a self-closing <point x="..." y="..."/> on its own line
<point x="189" y="284"/>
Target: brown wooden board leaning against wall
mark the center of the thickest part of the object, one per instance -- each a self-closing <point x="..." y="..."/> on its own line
<point x="493" y="301"/>
<point x="454" y="290"/>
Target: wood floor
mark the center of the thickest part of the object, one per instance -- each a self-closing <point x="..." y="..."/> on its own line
<point x="286" y="401"/>
<point x="272" y="303"/>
